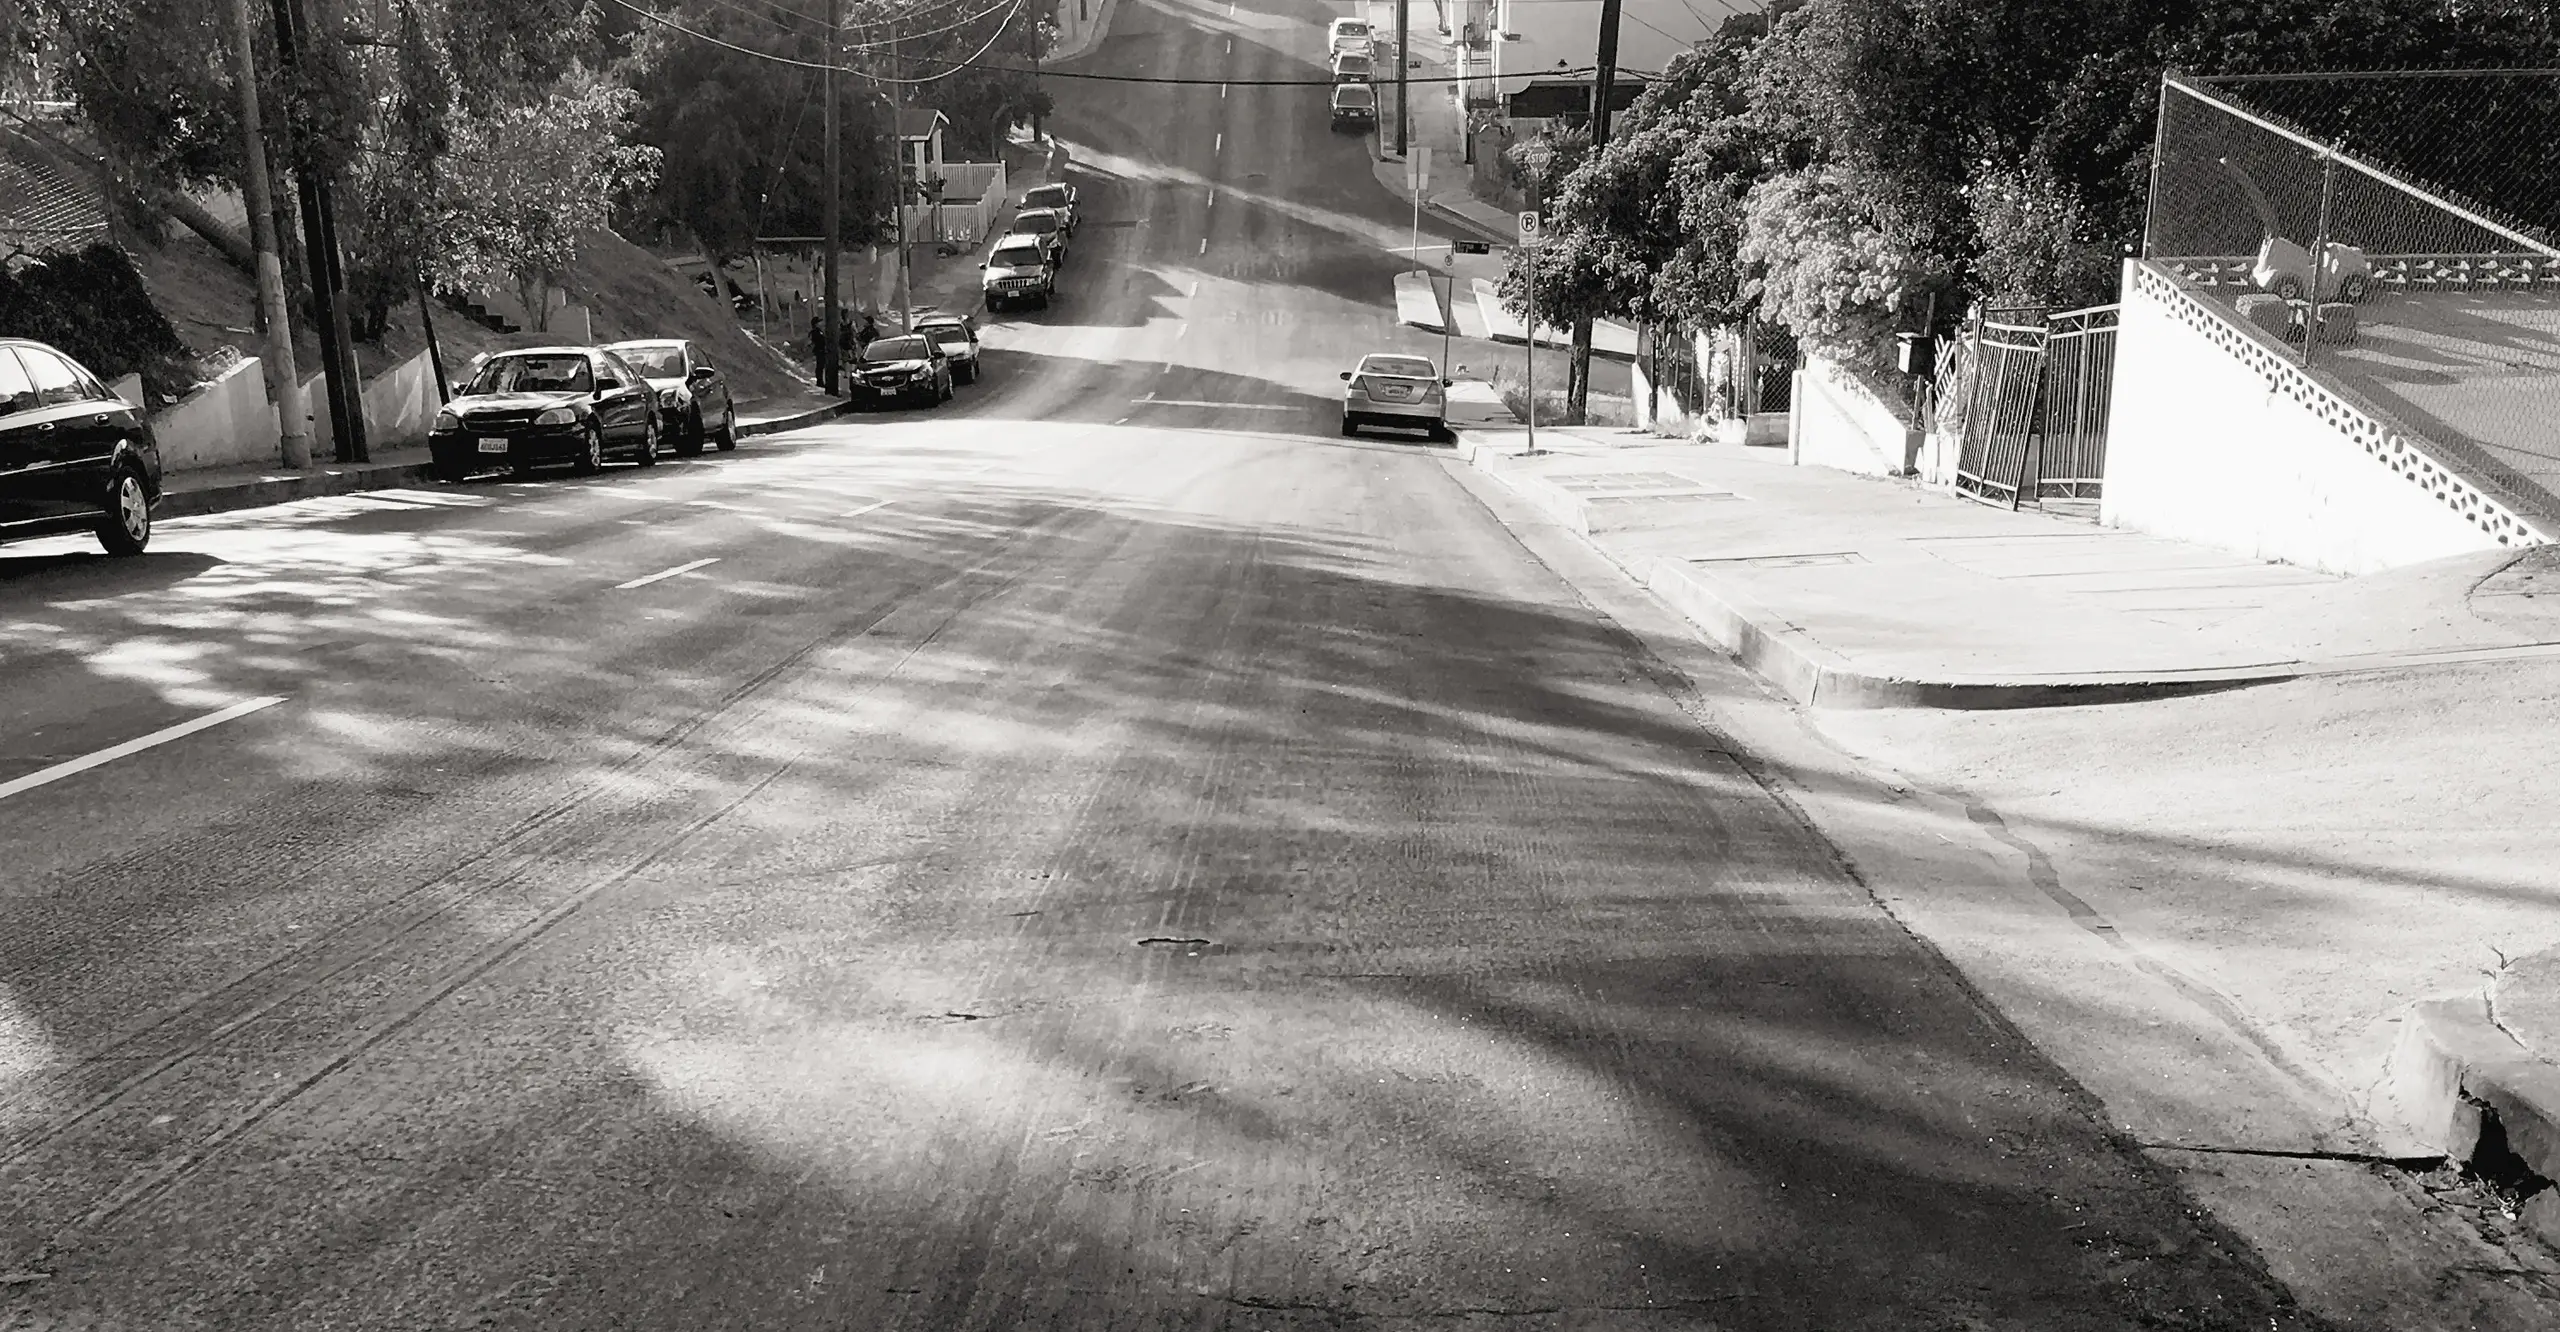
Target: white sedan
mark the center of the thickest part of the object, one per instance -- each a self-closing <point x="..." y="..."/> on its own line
<point x="1392" y="390"/>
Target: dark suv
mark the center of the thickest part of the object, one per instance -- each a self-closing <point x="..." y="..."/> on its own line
<point x="74" y="457"/>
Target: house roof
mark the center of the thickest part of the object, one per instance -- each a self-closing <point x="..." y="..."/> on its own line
<point x="1565" y="34"/>
<point x="919" y="122"/>
<point x="40" y="208"/>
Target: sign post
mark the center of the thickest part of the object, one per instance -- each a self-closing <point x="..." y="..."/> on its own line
<point x="1533" y="235"/>
<point x="1418" y="174"/>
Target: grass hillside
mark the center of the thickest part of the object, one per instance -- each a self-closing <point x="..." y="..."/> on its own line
<point x="630" y="292"/>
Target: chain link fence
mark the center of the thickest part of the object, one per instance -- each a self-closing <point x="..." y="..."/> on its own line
<point x="2396" y="233"/>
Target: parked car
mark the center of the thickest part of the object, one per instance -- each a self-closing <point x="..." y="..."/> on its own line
<point x="1059" y="199"/>
<point x="908" y="368"/>
<point x="542" y="405"/>
<point x="1351" y="67"/>
<point x="1348" y="34"/>
<point x="74" y="457"/>
<point x="1396" y="390"/>
<point x="1047" y="224"/>
<point x="1354" y="105"/>
<point x="957" y="336"/>
<point x="1018" y="270"/>
<point x="694" y="405"/>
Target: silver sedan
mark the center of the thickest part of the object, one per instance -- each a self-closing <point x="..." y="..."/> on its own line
<point x="1393" y="390"/>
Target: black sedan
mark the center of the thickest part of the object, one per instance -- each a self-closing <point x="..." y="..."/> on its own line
<point x="906" y="368"/>
<point x="74" y="457"/>
<point x="694" y="406"/>
<point x="549" y="404"/>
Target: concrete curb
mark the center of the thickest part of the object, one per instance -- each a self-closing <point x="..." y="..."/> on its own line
<point x="779" y="424"/>
<point x="1092" y="37"/>
<point x="267" y="490"/>
<point x="2456" y="1074"/>
<point x="1816" y="676"/>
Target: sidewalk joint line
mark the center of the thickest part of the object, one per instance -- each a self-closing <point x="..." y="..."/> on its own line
<point x="72" y="767"/>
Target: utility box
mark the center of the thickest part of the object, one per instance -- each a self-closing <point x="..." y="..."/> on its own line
<point x="1916" y="354"/>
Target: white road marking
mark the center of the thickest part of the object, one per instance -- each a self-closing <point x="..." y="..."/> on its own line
<point x="1213" y="196"/>
<point x="1222" y="90"/>
<point x="1204" y="245"/>
<point x="1195" y="286"/>
<point x="1221" y="145"/>
<point x="1153" y="401"/>
<point x="665" y="573"/>
<point x="45" y="776"/>
<point x="856" y="513"/>
<point x="1122" y="421"/>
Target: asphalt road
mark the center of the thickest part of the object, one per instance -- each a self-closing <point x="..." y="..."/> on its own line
<point x="1108" y="854"/>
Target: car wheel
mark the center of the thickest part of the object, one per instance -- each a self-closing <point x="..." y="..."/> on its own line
<point x="591" y="451"/>
<point x="729" y="430"/>
<point x="126" y="527"/>
<point x="1350" y="424"/>
<point x="689" y="440"/>
<point x="649" y="443"/>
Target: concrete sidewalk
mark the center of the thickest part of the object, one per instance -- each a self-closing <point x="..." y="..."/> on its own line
<point x="1852" y="591"/>
<point x="2479" y="1072"/>
<point x="223" y="489"/>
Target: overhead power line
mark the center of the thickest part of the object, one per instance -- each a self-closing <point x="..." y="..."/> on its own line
<point x="814" y="26"/>
<point x="955" y="66"/>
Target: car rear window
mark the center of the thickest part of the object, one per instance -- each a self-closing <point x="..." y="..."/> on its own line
<point x="1017" y="257"/>
<point x="1046" y="196"/>
<point x="1411" y="367"/>
<point x="656" y="362"/>
<point x="949" y="335"/>
<point x="1351" y="96"/>
<point x="1352" y="28"/>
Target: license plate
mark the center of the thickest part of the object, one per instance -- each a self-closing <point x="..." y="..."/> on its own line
<point x="492" y="444"/>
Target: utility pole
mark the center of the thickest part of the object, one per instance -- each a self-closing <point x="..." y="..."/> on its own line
<point x="898" y="184"/>
<point x="325" y="271"/>
<point x="284" y="385"/>
<point x="1577" y="406"/>
<point x="832" y="311"/>
<point x="1404" y="63"/>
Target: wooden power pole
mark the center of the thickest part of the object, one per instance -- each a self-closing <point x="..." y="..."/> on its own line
<point x="1603" y="89"/>
<point x="832" y="222"/>
<point x="325" y="271"/>
<point x="284" y="381"/>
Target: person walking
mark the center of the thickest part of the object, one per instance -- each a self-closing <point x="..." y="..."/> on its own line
<point x="864" y="336"/>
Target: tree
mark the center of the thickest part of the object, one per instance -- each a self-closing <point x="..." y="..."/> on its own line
<point x="524" y="184"/>
<point x="1824" y="263"/>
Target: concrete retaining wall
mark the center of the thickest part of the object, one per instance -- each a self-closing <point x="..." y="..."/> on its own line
<point x="231" y="423"/>
<point x="1840" y="423"/>
<point x="2218" y="436"/>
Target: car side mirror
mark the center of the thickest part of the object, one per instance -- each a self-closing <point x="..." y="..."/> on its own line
<point x="1448" y="383"/>
<point x="701" y="374"/>
<point x="1346" y="375"/>
<point x="982" y="263"/>
<point x="460" y="388"/>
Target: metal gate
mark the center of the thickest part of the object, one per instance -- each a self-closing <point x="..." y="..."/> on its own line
<point x="2035" y="422"/>
<point x="2001" y="419"/>
<point x="2079" y="383"/>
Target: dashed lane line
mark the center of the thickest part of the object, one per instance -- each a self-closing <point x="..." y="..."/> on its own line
<point x="72" y="767"/>
<point x="687" y="567"/>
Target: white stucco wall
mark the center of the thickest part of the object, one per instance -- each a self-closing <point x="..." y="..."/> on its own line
<point x="1840" y="423"/>
<point x="2218" y="436"/>
<point x="220" y="426"/>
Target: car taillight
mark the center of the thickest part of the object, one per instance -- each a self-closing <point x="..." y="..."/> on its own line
<point x="1361" y="382"/>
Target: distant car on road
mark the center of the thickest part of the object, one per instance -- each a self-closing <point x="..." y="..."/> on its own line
<point x="957" y="336"/>
<point x="543" y="405"/>
<point x="1395" y="390"/>
<point x="907" y="368"/>
<point x="1018" y="271"/>
<point x="74" y="457"/>
<point x="1351" y="67"/>
<point x="1355" y="105"/>
<point x="1059" y="199"/>
<point x="1348" y="34"/>
<point x="694" y="405"/>
<point x="1047" y="224"/>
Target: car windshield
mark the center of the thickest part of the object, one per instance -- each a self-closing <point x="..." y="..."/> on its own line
<point x="1042" y="223"/>
<point x="655" y="362"/>
<point x="534" y="374"/>
<point x="1412" y="367"/>
<point x="905" y="348"/>
<point x="1047" y="196"/>
<point x="1018" y="257"/>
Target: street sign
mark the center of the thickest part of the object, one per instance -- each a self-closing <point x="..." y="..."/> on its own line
<point x="1470" y="247"/>
<point x="1533" y="232"/>
<point x="1418" y="168"/>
